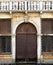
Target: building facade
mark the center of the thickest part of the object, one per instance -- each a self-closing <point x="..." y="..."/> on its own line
<point x="26" y="31"/>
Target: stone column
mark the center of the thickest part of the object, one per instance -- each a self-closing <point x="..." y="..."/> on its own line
<point x="13" y="46"/>
<point x="38" y="47"/>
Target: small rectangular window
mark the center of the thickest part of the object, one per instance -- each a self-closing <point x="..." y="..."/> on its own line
<point x="5" y="44"/>
<point x="5" y="26"/>
<point x="47" y="26"/>
<point x="47" y="44"/>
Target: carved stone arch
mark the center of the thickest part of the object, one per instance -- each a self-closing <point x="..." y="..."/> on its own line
<point x="35" y="25"/>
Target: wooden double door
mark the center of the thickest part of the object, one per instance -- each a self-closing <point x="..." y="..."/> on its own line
<point x="26" y="41"/>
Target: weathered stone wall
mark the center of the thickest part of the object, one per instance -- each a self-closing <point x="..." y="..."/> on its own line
<point x="18" y="18"/>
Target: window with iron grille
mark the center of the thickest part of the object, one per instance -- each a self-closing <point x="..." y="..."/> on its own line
<point x="5" y="37"/>
<point x="47" y="35"/>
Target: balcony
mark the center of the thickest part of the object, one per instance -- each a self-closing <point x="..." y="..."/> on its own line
<point x="17" y="6"/>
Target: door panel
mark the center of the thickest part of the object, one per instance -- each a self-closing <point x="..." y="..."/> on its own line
<point x="21" y="38"/>
<point x="31" y="45"/>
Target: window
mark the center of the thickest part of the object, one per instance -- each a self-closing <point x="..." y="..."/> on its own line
<point x="47" y="35"/>
<point x="5" y="38"/>
<point x="5" y="26"/>
<point x="47" y="43"/>
<point x="47" y="26"/>
<point x="5" y="44"/>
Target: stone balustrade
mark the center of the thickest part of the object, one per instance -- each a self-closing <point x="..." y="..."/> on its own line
<point x="26" y="5"/>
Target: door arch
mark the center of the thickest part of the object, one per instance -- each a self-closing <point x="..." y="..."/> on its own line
<point x="26" y="41"/>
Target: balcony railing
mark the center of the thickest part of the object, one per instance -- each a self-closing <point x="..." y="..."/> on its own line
<point x="26" y="5"/>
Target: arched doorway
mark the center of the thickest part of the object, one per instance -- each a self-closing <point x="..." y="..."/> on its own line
<point x="26" y="42"/>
